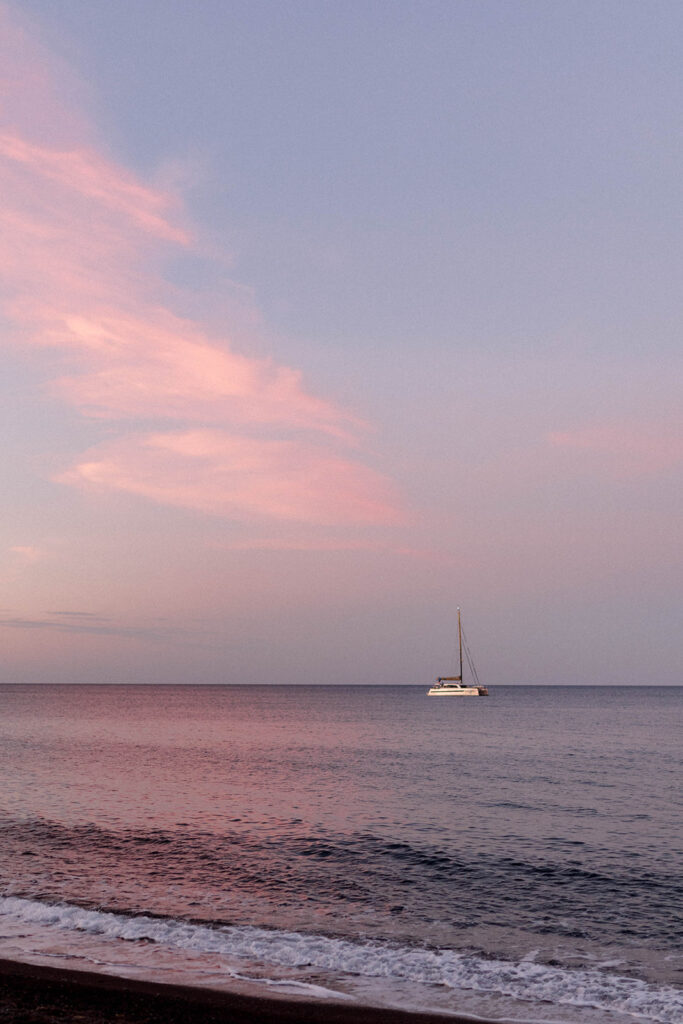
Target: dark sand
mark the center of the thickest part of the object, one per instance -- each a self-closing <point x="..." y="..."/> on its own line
<point x="50" y="995"/>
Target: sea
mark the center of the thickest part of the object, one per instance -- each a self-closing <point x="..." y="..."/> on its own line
<point x="515" y="857"/>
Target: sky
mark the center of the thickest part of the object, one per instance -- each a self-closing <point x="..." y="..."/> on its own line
<point x="320" y="320"/>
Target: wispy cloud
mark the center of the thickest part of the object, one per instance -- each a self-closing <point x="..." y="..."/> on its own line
<point x="626" y="449"/>
<point x="83" y="624"/>
<point x="82" y="241"/>
<point x="161" y="366"/>
<point x="78" y="616"/>
<point x="238" y="477"/>
<point x="89" y="176"/>
<point x="27" y="553"/>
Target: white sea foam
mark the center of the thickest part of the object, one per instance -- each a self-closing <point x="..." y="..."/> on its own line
<point x="525" y="980"/>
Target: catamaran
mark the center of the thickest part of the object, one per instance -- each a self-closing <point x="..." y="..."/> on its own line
<point x="453" y="686"/>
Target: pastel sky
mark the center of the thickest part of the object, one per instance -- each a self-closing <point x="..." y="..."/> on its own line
<point x="319" y="320"/>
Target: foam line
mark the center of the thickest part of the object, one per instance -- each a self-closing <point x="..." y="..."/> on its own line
<point x="525" y="980"/>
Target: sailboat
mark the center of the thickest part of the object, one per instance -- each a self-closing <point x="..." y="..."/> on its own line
<point x="454" y="686"/>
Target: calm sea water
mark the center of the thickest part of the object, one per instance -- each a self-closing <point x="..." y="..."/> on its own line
<point x="513" y="856"/>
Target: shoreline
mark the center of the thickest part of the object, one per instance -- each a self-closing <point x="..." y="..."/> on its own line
<point x="39" y="994"/>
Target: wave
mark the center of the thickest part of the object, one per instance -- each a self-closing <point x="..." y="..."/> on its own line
<point x="354" y="848"/>
<point x="562" y="889"/>
<point x="526" y="980"/>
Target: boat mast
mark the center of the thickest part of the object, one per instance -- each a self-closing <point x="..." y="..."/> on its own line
<point x="460" y="643"/>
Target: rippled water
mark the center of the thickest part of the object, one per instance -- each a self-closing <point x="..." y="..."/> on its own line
<point x="511" y="855"/>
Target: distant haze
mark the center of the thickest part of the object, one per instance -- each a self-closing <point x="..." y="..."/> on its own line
<point x="320" y="320"/>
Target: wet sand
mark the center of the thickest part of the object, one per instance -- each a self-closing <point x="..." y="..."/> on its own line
<point x="32" y="994"/>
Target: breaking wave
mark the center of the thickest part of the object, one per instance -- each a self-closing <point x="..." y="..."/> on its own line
<point x="526" y="980"/>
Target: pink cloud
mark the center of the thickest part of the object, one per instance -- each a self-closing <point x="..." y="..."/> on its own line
<point x="90" y="177"/>
<point x="625" y="449"/>
<point x="239" y="477"/>
<point x="82" y="241"/>
<point x="27" y="553"/>
<point x="64" y="249"/>
<point x="29" y="97"/>
<point x="164" y="366"/>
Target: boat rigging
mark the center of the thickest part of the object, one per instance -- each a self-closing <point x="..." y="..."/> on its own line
<point x="454" y="686"/>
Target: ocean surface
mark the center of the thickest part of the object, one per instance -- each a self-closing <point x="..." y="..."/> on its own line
<point x="514" y="857"/>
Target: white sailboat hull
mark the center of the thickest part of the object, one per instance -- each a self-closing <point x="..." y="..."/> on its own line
<point x="457" y="691"/>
